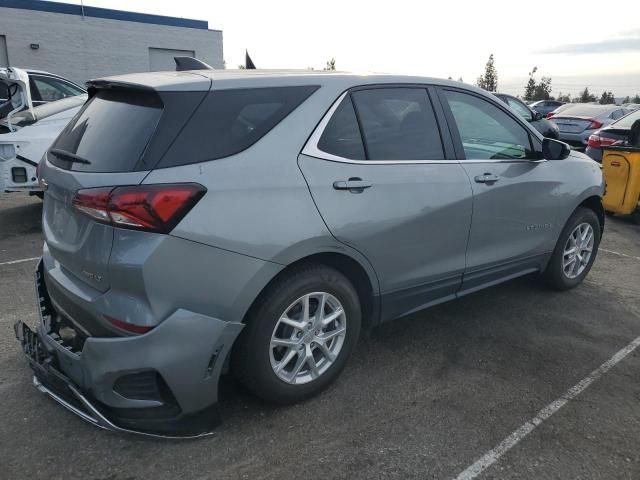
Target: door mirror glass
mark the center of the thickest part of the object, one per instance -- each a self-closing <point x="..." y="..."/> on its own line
<point x="554" y="150"/>
<point x="536" y="115"/>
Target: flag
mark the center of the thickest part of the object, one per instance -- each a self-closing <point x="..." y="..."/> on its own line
<point x="248" y="63"/>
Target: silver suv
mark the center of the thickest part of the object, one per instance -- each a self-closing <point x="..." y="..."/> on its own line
<point x="255" y="221"/>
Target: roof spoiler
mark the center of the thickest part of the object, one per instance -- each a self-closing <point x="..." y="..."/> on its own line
<point x="190" y="63"/>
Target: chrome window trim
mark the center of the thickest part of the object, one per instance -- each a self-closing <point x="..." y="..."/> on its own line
<point x="311" y="148"/>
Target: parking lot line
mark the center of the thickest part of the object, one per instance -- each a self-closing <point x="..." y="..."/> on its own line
<point x="512" y="440"/>
<point x="22" y="260"/>
<point x="620" y="254"/>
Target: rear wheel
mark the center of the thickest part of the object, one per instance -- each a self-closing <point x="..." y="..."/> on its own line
<point x="300" y="335"/>
<point x="575" y="250"/>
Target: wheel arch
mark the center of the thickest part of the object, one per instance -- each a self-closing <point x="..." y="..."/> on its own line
<point x="594" y="202"/>
<point x="363" y="279"/>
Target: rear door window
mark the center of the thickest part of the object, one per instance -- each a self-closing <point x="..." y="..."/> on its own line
<point x="110" y="133"/>
<point x="398" y="124"/>
<point x="230" y="121"/>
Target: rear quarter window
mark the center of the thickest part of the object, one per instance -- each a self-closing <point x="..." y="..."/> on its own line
<point x="230" y="121"/>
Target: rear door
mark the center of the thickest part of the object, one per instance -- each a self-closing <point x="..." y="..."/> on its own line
<point x="108" y="137"/>
<point x="381" y="172"/>
<point x="514" y="201"/>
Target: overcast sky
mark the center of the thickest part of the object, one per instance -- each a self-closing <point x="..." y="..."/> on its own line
<point x="583" y="41"/>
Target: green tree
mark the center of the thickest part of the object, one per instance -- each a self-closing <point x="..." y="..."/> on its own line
<point x="241" y="67"/>
<point x="534" y="90"/>
<point x="636" y="99"/>
<point x="460" y="80"/>
<point x="564" y="98"/>
<point x="530" y="87"/>
<point x="331" y="64"/>
<point x="626" y="99"/>
<point x="607" y="98"/>
<point x="586" y="96"/>
<point x="489" y="81"/>
<point x="542" y="91"/>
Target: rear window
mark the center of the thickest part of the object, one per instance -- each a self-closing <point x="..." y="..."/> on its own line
<point x="230" y="121"/>
<point x="627" y="122"/>
<point x="110" y="132"/>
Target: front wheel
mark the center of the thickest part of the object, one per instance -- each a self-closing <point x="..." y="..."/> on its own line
<point x="575" y="250"/>
<point x="300" y="335"/>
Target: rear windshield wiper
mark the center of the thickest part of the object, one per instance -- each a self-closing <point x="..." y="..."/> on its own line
<point x="68" y="156"/>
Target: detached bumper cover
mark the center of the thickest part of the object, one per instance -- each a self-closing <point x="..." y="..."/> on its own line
<point x="187" y="351"/>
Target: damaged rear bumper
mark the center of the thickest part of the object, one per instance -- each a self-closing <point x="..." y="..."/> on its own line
<point x="163" y="383"/>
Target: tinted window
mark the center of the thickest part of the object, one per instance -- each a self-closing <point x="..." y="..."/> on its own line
<point x="341" y="136"/>
<point x="111" y="131"/>
<point x="398" y="124"/>
<point x="230" y="121"/>
<point x="486" y="131"/>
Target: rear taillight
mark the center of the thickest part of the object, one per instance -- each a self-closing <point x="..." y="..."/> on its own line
<point x="128" y="327"/>
<point x="549" y="115"/>
<point x="154" y="208"/>
<point x="596" y="141"/>
<point x="594" y="125"/>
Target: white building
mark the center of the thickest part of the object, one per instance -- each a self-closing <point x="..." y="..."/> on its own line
<point x="81" y="43"/>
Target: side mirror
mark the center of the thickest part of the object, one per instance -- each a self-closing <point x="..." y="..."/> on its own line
<point x="554" y="149"/>
<point x="536" y="115"/>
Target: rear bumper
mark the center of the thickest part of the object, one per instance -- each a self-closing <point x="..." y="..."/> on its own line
<point x="577" y="140"/>
<point x="186" y="352"/>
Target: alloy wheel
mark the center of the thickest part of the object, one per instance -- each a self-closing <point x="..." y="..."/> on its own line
<point x="308" y="338"/>
<point x="578" y="250"/>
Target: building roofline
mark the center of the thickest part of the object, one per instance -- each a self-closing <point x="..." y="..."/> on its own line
<point x="106" y="13"/>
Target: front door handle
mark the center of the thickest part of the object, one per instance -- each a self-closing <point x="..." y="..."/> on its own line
<point x="354" y="185"/>
<point x="487" y="178"/>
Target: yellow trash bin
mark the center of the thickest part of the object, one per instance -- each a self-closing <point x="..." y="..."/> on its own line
<point x="621" y="167"/>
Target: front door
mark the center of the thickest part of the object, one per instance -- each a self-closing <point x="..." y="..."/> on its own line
<point x="377" y="170"/>
<point x="514" y="191"/>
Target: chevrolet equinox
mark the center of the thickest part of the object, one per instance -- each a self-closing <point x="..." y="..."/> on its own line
<point x="204" y="221"/>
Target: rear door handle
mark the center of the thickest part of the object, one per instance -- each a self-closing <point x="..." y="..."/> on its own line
<point x="354" y="185"/>
<point x="487" y="178"/>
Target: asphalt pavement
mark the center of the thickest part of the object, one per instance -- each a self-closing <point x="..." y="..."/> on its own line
<point x="424" y="397"/>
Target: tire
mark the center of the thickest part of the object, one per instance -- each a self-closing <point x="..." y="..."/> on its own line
<point x="255" y="360"/>
<point x="555" y="275"/>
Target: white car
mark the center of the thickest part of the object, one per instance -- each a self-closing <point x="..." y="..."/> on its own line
<point x="34" y="108"/>
<point x="33" y="132"/>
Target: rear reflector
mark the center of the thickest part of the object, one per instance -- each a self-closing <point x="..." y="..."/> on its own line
<point x="129" y="327"/>
<point x="154" y="208"/>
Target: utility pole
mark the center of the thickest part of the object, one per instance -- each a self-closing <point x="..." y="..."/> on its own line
<point x="82" y="8"/>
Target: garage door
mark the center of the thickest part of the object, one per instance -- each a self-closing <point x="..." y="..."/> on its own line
<point x="162" y="58"/>
<point x="4" y="58"/>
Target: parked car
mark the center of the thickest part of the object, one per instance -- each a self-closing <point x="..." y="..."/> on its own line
<point x="544" y="126"/>
<point x="615" y="134"/>
<point x="546" y="106"/>
<point x="578" y="122"/>
<point x="43" y="87"/>
<point x="33" y="133"/>
<point x="195" y="221"/>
